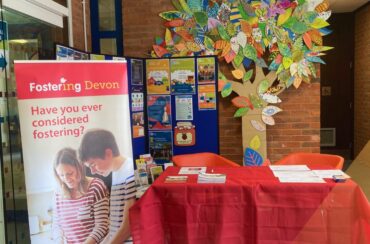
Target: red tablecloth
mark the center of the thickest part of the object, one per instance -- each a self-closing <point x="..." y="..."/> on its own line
<point x="251" y="207"/>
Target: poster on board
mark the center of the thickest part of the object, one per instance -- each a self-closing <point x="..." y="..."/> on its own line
<point x="61" y="103"/>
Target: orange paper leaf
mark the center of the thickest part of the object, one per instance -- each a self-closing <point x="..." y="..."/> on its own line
<point x="315" y="36"/>
<point x="307" y="40"/>
<point x="159" y="51"/>
<point x="242" y="102"/>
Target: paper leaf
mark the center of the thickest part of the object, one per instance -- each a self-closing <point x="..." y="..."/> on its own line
<point x="284" y="16"/>
<point x="241" y="112"/>
<point x="168" y="37"/>
<point x="255" y="143"/>
<point x="307" y="40"/>
<point x="270" y="98"/>
<point x="256" y="101"/>
<point x="263" y="86"/>
<point x="258" y="126"/>
<point x="322" y="6"/>
<point x="241" y="39"/>
<point x="201" y="18"/>
<point x="321" y="48"/>
<point x="194" y="5"/>
<point x="230" y="56"/>
<point x="241" y="102"/>
<point x="226" y="91"/>
<point x="238" y="59"/>
<point x="319" y="23"/>
<point x="159" y="51"/>
<point x="238" y="74"/>
<point x="250" y="52"/>
<point x="324" y="15"/>
<point x="284" y="49"/>
<point x="222" y="32"/>
<point x="297" y="81"/>
<point x="208" y="43"/>
<point x="268" y="120"/>
<point x="287" y="62"/>
<point x="271" y="110"/>
<point x="248" y="75"/>
<point x="185" y="7"/>
<point x="221" y="85"/>
<point x="315" y="60"/>
<point x="170" y="15"/>
<point x="252" y="158"/>
<point x="221" y="76"/>
<point x="293" y="69"/>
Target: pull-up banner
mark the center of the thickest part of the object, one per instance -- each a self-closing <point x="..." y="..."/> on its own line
<point x="59" y="102"/>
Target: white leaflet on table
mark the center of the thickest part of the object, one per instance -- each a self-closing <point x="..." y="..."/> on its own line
<point x="313" y="179"/>
<point x="330" y="173"/>
<point x="288" y="167"/>
<point x="295" y="173"/>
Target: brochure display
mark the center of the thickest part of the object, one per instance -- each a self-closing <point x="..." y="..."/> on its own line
<point x="182" y="118"/>
<point x="173" y="105"/>
<point x="59" y="102"/>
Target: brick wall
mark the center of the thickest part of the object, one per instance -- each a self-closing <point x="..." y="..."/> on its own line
<point x="297" y="127"/>
<point x="362" y="79"/>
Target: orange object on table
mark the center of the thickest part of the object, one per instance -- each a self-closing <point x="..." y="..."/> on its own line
<point x="202" y="159"/>
<point x="312" y="160"/>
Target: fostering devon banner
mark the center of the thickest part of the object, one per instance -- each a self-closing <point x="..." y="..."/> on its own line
<point x="58" y="102"/>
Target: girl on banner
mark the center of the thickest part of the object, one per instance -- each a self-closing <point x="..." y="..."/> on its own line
<point x="81" y="203"/>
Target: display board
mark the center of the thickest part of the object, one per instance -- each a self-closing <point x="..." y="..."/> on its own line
<point x="181" y="106"/>
<point x="173" y="104"/>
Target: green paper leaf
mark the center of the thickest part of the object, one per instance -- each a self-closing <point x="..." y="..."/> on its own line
<point x="209" y="43"/>
<point x="248" y="75"/>
<point x="297" y="56"/>
<point x="287" y="62"/>
<point x="319" y="23"/>
<point x="201" y="18"/>
<point x="177" y="5"/>
<point x="185" y="7"/>
<point x="256" y="101"/>
<point x="241" y="112"/>
<point x="222" y="32"/>
<point x="321" y="48"/>
<point x="281" y="68"/>
<point x="250" y="52"/>
<point x="263" y="86"/>
<point x="221" y="76"/>
<point x="170" y="15"/>
<point x="226" y="91"/>
<point x="243" y="13"/>
<point x="238" y="58"/>
<point x="284" y="49"/>
<point x="284" y="16"/>
<point x="301" y="2"/>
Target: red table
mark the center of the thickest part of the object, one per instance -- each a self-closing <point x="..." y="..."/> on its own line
<point x="251" y="207"/>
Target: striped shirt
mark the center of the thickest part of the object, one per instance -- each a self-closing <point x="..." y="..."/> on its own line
<point x="123" y="189"/>
<point x="87" y="216"/>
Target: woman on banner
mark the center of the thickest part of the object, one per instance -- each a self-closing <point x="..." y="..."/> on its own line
<point x="81" y="203"/>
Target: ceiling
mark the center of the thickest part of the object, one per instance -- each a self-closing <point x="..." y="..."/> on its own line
<point x="342" y="6"/>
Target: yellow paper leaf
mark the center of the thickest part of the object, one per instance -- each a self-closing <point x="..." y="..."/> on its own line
<point x="297" y="81"/>
<point x="238" y="74"/>
<point x="255" y="143"/>
<point x="168" y="37"/>
<point x="287" y="62"/>
<point x="284" y="17"/>
<point x="319" y="23"/>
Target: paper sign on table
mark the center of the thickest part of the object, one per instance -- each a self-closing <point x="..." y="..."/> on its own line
<point x="288" y="167"/>
<point x="192" y="170"/>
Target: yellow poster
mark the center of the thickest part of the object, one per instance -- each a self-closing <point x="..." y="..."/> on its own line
<point x="158" y="76"/>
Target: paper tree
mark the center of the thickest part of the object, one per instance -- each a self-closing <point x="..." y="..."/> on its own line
<point x="271" y="44"/>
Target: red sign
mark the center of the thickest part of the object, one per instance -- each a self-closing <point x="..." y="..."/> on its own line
<point x="72" y="79"/>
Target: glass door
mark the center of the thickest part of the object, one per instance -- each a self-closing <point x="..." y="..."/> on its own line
<point x="22" y="38"/>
